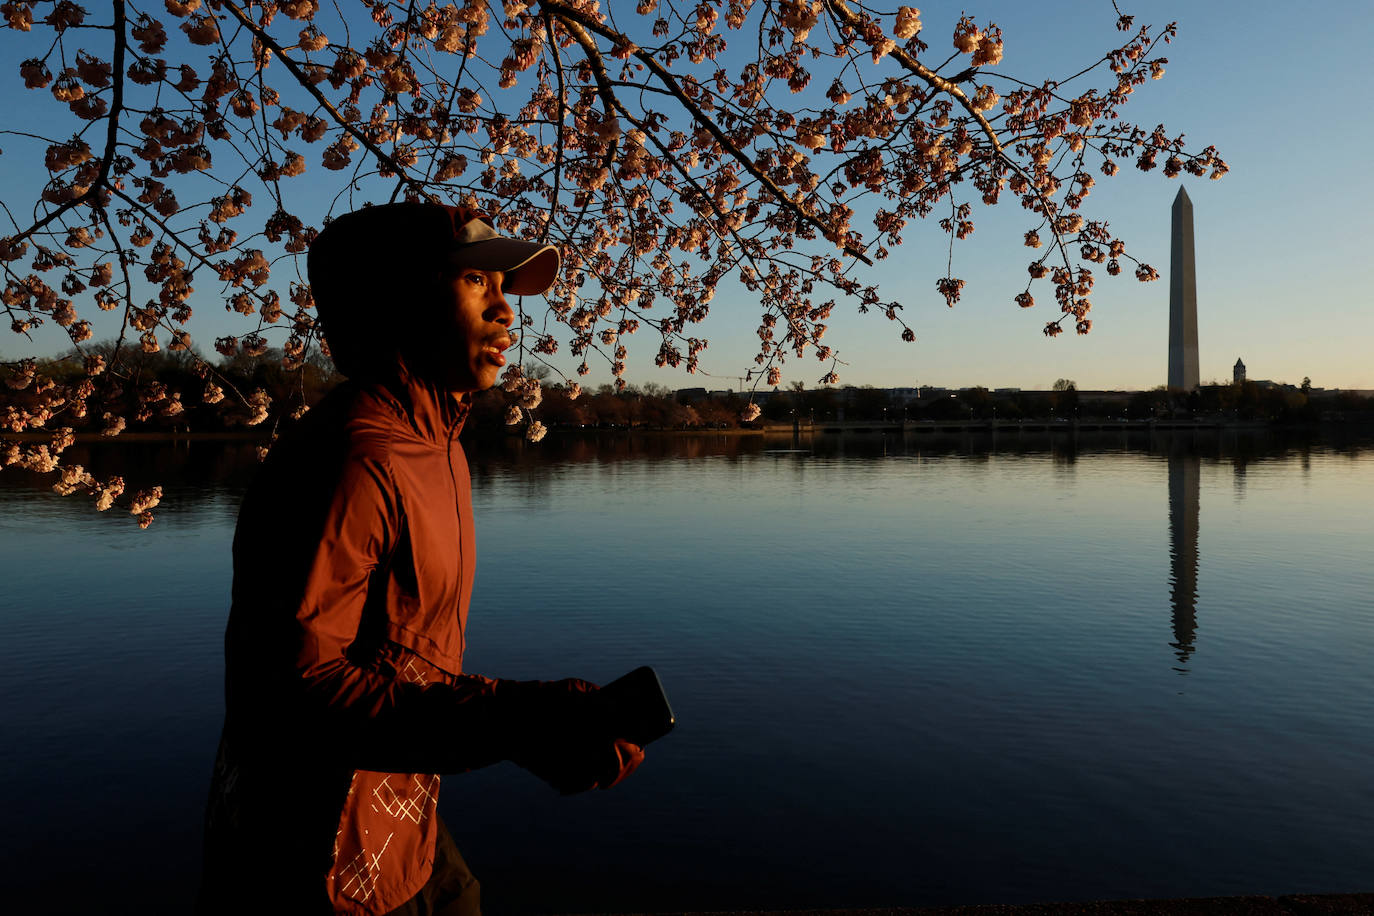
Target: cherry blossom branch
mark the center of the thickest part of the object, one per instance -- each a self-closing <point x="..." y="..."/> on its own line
<point x="269" y="42"/>
<point x="851" y="19"/>
<point x="572" y="18"/>
<point x="111" y="138"/>
<point x="557" y="129"/>
<point x="603" y="84"/>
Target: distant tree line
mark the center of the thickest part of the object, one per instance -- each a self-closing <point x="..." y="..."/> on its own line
<point x="1258" y="401"/>
<point x="169" y="391"/>
<point x="870" y="403"/>
<point x="1247" y="401"/>
<point x="646" y="406"/>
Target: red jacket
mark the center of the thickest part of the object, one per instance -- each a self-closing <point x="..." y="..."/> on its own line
<point x="353" y="567"/>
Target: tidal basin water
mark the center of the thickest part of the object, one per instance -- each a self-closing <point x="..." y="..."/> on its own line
<point x="906" y="672"/>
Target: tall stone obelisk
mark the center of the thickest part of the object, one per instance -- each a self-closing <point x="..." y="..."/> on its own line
<point x="1183" y="370"/>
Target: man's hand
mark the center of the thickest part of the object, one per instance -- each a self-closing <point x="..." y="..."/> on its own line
<point x="630" y="756"/>
<point x="569" y="748"/>
<point x="585" y="765"/>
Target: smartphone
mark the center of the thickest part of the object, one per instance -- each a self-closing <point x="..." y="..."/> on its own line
<point x="636" y="708"/>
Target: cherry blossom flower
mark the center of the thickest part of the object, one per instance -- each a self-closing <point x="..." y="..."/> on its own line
<point x="908" y="23"/>
<point x="73" y="477"/>
<point x="259" y="403"/>
<point x="114" y="425"/>
<point x="108" y="492"/>
<point x="144" y="500"/>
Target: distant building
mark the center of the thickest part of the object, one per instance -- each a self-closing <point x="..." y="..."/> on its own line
<point x="691" y="395"/>
<point x="758" y="397"/>
<point x="1238" y="373"/>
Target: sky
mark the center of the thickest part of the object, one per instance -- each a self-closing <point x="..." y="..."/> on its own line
<point x="1283" y="277"/>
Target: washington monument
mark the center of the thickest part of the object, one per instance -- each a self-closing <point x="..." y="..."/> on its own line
<point x="1183" y="371"/>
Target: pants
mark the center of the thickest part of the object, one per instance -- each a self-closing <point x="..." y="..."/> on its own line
<point x="451" y="889"/>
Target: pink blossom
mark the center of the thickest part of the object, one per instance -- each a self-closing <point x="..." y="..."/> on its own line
<point x="108" y="492"/>
<point x="259" y="403"/>
<point x="144" y="500"/>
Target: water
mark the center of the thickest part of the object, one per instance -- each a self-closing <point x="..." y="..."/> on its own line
<point x="905" y="672"/>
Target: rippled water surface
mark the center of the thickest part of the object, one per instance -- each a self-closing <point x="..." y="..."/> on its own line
<point x="905" y="672"/>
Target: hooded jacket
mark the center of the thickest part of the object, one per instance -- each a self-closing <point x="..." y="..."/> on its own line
<point x="353" y="567"/>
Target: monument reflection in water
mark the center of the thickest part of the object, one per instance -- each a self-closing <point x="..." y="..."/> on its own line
<point x="1185" y="485"/>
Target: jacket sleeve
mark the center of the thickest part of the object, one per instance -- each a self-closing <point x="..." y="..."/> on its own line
<point x="301" y="607"/>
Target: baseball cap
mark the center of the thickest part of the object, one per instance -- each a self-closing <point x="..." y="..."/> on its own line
<point x="405" y="239"/>
<point x="529" y="267"/>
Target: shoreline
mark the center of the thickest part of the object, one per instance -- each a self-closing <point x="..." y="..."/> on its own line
<point x="1248" y="905"/>
<point x="920" y="428"/>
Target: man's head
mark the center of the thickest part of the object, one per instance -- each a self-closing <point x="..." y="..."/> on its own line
<point x="425" y="281"/>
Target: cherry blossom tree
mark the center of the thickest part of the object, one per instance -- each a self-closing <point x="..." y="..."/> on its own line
<point x="665" y="145"/>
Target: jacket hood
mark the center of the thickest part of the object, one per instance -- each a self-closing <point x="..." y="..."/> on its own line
<point x="375" y="276"/>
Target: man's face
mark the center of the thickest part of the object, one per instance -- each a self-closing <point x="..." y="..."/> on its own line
<point x="479" y="329"/>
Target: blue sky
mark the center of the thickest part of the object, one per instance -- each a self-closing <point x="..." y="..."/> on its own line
<point x="1284" y="281"/>
<point x="1284" y="275"/>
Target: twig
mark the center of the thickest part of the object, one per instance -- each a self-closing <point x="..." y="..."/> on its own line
<point x="573" y="19"/>
<point x="269" y="42"/>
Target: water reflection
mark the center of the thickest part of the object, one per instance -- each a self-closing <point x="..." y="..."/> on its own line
<point x="1185" y="484"/>
<point x="211" y="474"/>
<point x="953" y="583"/>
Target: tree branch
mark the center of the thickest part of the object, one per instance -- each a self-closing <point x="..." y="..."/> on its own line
<point x="111" y="136"/>
<point x="557" y="129"/>
<point x="574" y="18"/>
<point x="921" y="71"/>
<point x="269" y="42"/>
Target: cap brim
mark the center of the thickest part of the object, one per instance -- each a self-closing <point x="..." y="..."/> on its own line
<point x="530" y="267"/>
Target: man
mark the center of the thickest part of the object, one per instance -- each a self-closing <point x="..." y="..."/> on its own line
<point x="353" y="569"/>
